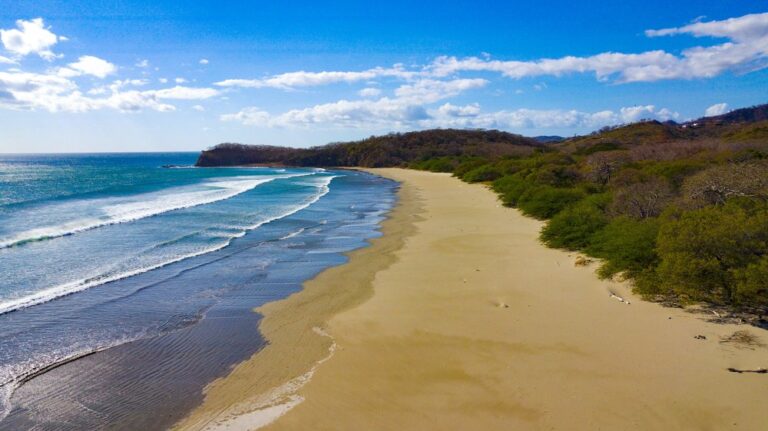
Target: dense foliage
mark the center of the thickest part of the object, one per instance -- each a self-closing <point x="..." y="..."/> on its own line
<point x="396" y="149"/>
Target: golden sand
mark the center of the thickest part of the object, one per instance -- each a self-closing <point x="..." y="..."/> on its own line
<point x="458" y="318"/>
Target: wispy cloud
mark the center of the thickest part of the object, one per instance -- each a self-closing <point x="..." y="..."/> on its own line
<point x="716" y="109"/>
<point x="293" y="80"/>
<point x="747" y="48"/>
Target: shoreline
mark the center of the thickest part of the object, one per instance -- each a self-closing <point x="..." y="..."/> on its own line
<point x="460" y="318"/>
<point x="258" y="389"/>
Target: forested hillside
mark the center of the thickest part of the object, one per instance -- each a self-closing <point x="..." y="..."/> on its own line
<point x="397" y="149"/>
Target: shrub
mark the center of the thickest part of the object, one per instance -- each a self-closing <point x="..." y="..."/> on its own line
<point x="441" y="164"/>
<point x="626" y="245"/>
<point x="482" y="173"/>
<point x="467" y="164"/>
<point x="596" y="148"/>
<point x="674" y="171"/>
<point x="544" y="202"/>
<point x="510" y="188"/>
<point x="574" y="227"/>
<point x="752" y="284"/>
<point x="714" y="253"/>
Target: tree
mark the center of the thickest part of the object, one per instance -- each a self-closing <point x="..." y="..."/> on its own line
<point x="714" y="186"/>
<point x="642" y="200"/>
<point x="602" y="166"/>
<point x="752" y="284"/>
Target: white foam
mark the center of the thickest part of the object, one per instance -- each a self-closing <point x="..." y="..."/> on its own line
<point x="61" y="290"/>
<point x="114" y="211"/>
<point x="275" y="403"/>
<point x="6" y="391"/>
<point x="293" y="234"/>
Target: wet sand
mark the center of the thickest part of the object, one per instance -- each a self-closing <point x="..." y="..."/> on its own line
<point x="458" y="318"/>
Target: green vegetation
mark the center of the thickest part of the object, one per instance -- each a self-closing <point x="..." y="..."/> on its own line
<point x="435" y="150"/>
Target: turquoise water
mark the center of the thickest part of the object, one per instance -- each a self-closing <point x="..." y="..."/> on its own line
<point x="112" y="253"/>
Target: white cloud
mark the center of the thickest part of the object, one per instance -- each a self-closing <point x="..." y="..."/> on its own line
<point x="180" y="80"/>
<point x="746" y="50"/>
<point x="716" y="109"/>
<point x="251" y="116"/>
<point x="745" y="28"/>
<point x="198" y="108"/>
<point x="30" y="37"/>
<point x="88" y="65"/>
<point x="449" y="110"/>
<point x="521" y="119"/>
<point x="163" y="80"/>
<point x="406" y="113"/>
<point x="308" y="79"/>
<point x="6" y="60"/>
<point x="55" y="93"/>
<point x="142" y="63"/>
<point x="186" y="93"/>
<point x="204" y="61"/>
<point x="405" y="109"/>
<point x="369" y="92"/>
<point x="430" y="90"/>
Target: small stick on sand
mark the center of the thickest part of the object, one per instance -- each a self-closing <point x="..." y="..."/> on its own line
<point x="756" y="371"/>
<point x="618" y="298"/>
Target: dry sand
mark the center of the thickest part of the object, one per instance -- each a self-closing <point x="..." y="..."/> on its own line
<point x="457" y="318"/>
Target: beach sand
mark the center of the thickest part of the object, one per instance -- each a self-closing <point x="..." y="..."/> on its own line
<point x="458" y="318"/>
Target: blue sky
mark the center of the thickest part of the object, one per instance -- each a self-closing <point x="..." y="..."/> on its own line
<point x="159" y="76"/>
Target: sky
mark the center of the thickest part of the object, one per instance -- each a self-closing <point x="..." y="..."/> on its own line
<point x="106" y="76"/>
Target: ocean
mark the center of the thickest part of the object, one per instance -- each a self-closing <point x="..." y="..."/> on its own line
<point x="127" y="281"/>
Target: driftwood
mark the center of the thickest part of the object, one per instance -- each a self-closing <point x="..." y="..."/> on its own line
<point x="619" y="298"/>
<point x="756" y="371"/>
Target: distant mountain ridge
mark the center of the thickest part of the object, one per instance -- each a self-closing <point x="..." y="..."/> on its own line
<point x="403" y="149"/>
<point x="743" y="115"/>
<point x="397" y="149"/>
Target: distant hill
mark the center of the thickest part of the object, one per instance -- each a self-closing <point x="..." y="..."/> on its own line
<point x="546" y="139"/>
<point x="397" y="149"/>
<point x="405" y="149"/>
<point x="741" y="125"/>
<point x="611" y="138"/>
<point x="744" y="115"/>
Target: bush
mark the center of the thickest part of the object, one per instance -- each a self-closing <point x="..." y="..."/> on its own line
<point x="441" y="164"/>
<point x="574" y="227"/>
<point x="543" y="202"/>
<point x="596" y="148"/>
<point x="752" y="284"/>
<point x="482" y="173"/>
<point x="510" y="188"/>
<point x="626" y="245"/>
<point x="675" y="171"/>
<point x="715" y="253"/>
<point x="467" y="164"/>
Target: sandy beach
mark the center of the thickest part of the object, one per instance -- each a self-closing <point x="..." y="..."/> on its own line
<point x="458" y="318"/>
